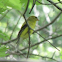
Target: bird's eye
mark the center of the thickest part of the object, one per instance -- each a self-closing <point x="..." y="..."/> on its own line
<point x="35" y="17"/>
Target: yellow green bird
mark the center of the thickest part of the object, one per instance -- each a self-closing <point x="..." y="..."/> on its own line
<point x="24" y="29"/>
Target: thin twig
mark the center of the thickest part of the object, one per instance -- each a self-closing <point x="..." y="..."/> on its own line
<point x="47" y="4"/>
<point x="7" y="42"/>
<point x="55" y="5"/>
<point x="26" y="7"/>
<point x="6" y="26"/>
<point x="4" y="15"/>
<point x="28" y="42"/>
<point x="53" y="54"/>
<point x="33" y="5"/>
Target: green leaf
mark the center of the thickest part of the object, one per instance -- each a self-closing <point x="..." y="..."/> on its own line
<point x="3" y="54"/>
<point x="14" y="4"/>
<point x="24" y="3"/>
<point x="2" y="6"/>
<point x="2" y="10"/>
<point x="3" y="50"/>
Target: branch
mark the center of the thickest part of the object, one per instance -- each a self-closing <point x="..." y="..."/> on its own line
<point x="4" y="43"/>
<point x="49" y="23"/>
<point x="54" y="5"/>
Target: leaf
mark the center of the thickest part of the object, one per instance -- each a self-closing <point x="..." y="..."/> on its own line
<point x="3" y="54"/>
<point x="14" y="4"/>
<point x="2" y="10"/>
<point x="24" y="3"/>
<point x="3" y="50"/>
<point x="2" y="6"/>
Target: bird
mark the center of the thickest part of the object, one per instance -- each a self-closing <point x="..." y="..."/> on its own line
<point x="23" y="33"/>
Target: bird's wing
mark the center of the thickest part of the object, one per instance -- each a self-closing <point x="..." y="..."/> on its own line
<point x="22" y="28"/>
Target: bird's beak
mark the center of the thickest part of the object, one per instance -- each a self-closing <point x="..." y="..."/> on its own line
<point x="37" y="19"/>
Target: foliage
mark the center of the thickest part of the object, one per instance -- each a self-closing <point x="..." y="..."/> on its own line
<point x="12" y="18"/>
<point x="3" y="50"/>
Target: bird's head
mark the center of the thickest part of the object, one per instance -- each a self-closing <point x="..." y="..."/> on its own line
<point x="33" y="18"/>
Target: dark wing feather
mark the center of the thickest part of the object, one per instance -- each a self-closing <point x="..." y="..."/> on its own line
<point x="22" y="29"/>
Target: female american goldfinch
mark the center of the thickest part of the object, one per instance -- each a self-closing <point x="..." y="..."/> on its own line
<point x="24" y="29"/>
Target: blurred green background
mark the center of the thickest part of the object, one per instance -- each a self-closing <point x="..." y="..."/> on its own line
<point x="11" y="20"/>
